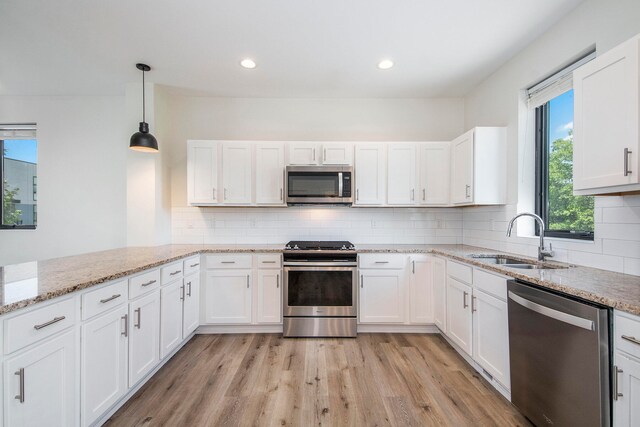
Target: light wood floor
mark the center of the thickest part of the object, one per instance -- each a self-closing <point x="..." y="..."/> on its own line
<point x="264" y="379"/>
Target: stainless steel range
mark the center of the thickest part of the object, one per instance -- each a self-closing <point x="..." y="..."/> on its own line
<point x="320" y="289"/>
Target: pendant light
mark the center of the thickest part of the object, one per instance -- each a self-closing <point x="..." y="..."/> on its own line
<point x="143" y="140"/>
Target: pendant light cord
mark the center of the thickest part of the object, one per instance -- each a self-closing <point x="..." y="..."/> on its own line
<point x="143" y="101"/>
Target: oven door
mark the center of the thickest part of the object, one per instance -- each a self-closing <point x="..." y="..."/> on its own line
<point x="320" y="291"/>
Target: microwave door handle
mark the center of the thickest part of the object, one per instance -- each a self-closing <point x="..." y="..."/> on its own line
<point x="340" y="184"/>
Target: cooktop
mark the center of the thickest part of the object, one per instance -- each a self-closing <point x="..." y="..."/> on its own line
<point x="317" y="245"/>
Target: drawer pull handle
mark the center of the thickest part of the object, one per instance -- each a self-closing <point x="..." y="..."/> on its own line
<point x="195" y="265"/>
<point x="247" y="281"/>
<point x="175" y="272"/>
<point x="627" y="172"/>
<point x="361" y="281"/>
<point x="631" y="339"/>
<point x="268" y="262"/>
<point x="382" y="262"/>
<point x="50" y="322"/>
<point x="111" y="298"/>
<point x="182" y="292"/>
<point x="189" y="291"/>
<point x="139" y="311"/>
<point x="150" y="282"/>
<point x="20" y="374"/>
<point x="227" y="262"/>
<point x="126" y="325"/>
<point x="277" y="281"/>
<point x="473" y="304"/>
<point x="616" y="393"/>
<point x="464" y="299"/>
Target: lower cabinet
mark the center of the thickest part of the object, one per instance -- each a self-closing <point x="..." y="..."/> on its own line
<point x="144" y="333"/>
<point x="103" y="363"/>
<point x="191" y="304"/>
<point x="439" y="278"/>
<point x="421" y="290"/>
<point x="227" y="297"/>
<point x="382" y="296"/>
<point x="171" y="299"/>
<point x="459" y="318"/>
<point x="626" y="405"/>
<point x="40" y="384"/>
<point x="269" y="296"/>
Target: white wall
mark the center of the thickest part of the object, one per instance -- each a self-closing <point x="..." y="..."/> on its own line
<point x="497" y="101"/>
<point x="81" y="176"/>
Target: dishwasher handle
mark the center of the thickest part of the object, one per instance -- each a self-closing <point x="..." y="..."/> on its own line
<point x="554" y="314"/>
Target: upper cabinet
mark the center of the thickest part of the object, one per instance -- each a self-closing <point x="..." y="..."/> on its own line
<point x="370" y="171"/>
<point x="433" y="186"/>
<point x="401" y="174"/>
<point x="478" y="167"/>
<point x="607" y="122"/>
<point x="236" y="173"/>
<point x="270" y="174"/>
<point x="202" y="173"/>
<point x="313" y="153"/>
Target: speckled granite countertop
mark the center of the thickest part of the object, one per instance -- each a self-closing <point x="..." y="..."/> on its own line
<point x="25" y="284"/>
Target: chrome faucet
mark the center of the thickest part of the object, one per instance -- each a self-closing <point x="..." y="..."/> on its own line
<point x="542" y="252"/>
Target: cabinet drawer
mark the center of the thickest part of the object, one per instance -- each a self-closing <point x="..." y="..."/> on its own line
<point x="171" y="272"/>
<point x="269" y="261"/>
<point x="143" y="283"/>
<point x="229" y="261"/>
<point x="382" y="261"/>
<point x="628" y="326"/>
<point x="459" y="271"/>
<point x="191" y="265"/>
<point x="491" y="284"/>
<point x="103" y="299"/>
<point x="28" y="328"/>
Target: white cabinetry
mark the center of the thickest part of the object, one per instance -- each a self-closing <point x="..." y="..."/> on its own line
<point x="191" y="304"/>
<point x="269" y="299"/>
<point x="421" y="289"/>
<point x="440" y="293"/>
<point x="227" y="297"/>
<point x="478" y="167"/>
<point x="313" y="153"/>
<point x="626" y="383"/>
<point x="171" y="299"/>
<point x="370" y="176"/>
<point x="202" y="173"/>
<point x="236" y="173"/>
<point x="606" y="136"/>
<point x="401" y="174"/>
<point x="459" y="318"/>
<point x="41" y="383"/>
<point x="383" y="287"/>
<point x="269" y="174"/>
<point x="337" y="154"/>
<point x="144" y="333"/>
<point x="434" y="165"/>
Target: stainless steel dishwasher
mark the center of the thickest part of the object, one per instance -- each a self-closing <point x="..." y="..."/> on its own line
<point x="559" y="352"/>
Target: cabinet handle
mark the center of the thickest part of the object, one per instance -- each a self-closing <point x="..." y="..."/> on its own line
<point x="150" y="282"/>
<point x="189" y="291"/>
<point x="182" y="290"/>
<point x="325" y="154"/>
<point x="268" y="262"/>
<point x="277" y="280"/>
<point x="357" y="194"/>
<point x="195" y="265"/>
<point x="126" y="325"/>
<point x="413" y="266"/>
<point x="214" y="194"/>
<point x="631" y="339"/>
<point x="227" y="262"/>
<point x="111" y="298"/>
<point x="175" y="272"/>
<point x="139" y="311"/>
<point x="464" y="300"/>
<point x="467" y="188"/>
<point x="225" y="194"/>
<point x="281" y="194"/>
<point x="473" y="304"/>
<point x="382" y="262"/>
<point x="424" y="194"/>
<point x="50" y="322"/>
<point x="616" y="392"/>
<point x="361" y="281"/>
<point x="20" y="374"/>
<point x="314" y="154"/>
<point x="247" y="281"/>
<point x="626" y="161"/>
<point x="413" y="194"/>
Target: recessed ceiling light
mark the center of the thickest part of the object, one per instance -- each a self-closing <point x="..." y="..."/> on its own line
<point x="385" y="64"/>
<point x="248" y="63"/>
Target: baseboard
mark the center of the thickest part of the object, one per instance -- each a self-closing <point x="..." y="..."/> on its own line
<point x="239" y="329"/>
<point x="497" y="385"/>
<point x="100" y="421"/>
<point x="399" y="329"/>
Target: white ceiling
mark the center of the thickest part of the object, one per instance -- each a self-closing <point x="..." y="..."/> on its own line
<point x="303" y="48"/>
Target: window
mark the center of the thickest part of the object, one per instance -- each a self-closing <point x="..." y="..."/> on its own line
<point x="565" y="215"/>
<point x="18" y="170"/>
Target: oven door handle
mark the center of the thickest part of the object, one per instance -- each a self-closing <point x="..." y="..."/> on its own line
<point x="320" y="264"/>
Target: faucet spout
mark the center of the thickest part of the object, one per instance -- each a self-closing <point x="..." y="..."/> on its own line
<point x="542" y="251"/>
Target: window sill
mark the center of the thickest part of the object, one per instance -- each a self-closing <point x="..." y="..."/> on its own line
<point x="558" y="239"/>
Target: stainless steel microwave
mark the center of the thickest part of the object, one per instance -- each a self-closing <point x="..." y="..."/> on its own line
<point x="319" y="185"/>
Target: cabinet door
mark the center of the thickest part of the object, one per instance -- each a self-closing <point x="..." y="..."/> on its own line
<point x="434" y="173"/>
<point x="382" y="296"/>
<point x="202" y="172"/>
<point x="269" y="296"/>
<point x="491" y="335"/>
<point x="626" y="409"/>
<point x="227" y="297"/>
<point x="104" y="363"/>
<point x="303" y="153"/>
<point x="46" y="379"/>
<point x="459" y="319"/>
<point x="270" y="174"/>
<point x="171" y="298"/>
<point x="606" y="116"/>
<point x="401" y="174"/>
<point x="236" y="173"/>
<point x="337" y="154"/>
<point x="144" y="336"/>
<point x="191" y="308"/>
<point x="439" y="293"/>
<point x="462" y="169"/>
<point x="370" y="174"/>
<point x="421" y="292"/>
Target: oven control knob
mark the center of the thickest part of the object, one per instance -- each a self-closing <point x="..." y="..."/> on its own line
<point x="288" y="247"/>
<point x="295" y="247"/>
<point x="343" y="248"/>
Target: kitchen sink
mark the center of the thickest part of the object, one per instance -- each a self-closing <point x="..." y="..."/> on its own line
<point x="507" y="261"/>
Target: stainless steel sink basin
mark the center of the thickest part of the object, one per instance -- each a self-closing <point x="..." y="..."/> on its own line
<point x="515" y="263"/>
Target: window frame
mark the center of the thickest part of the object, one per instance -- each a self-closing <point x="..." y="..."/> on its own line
<point x="542" y="179"/>
<point x="2" y="225"/>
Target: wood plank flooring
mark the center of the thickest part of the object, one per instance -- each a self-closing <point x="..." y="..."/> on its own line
<point x="267" y="380"/>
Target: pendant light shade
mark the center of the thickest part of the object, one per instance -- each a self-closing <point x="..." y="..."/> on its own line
<point x="143" y="140"/>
